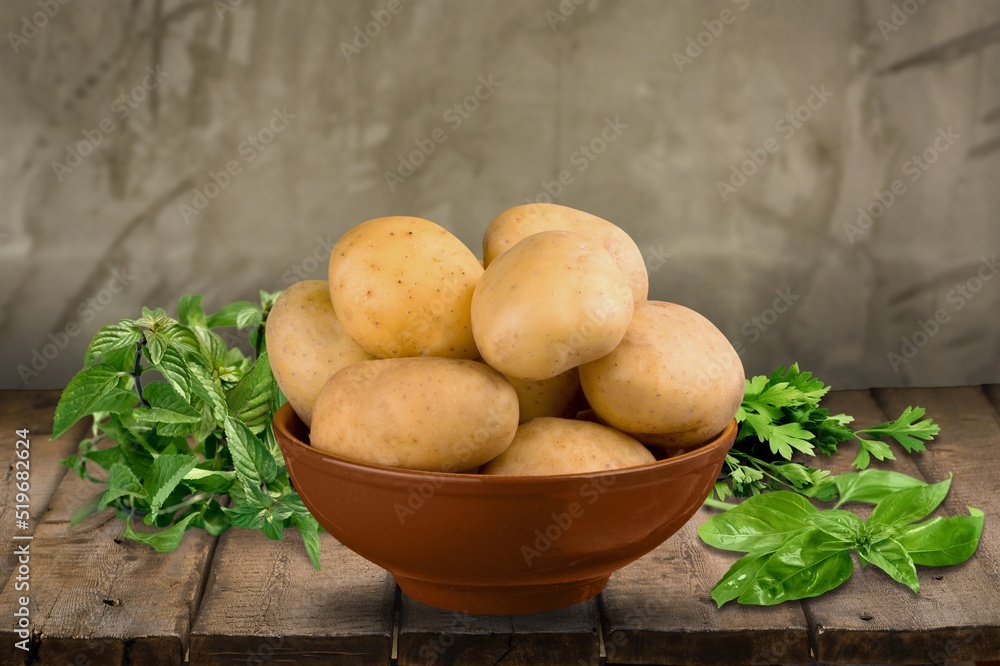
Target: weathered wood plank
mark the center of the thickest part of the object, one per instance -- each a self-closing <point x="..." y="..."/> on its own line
<point x="993" y="393"/>
<point x="960" y="601"/>
<point x="96" y="598"/>
<point x="32" y="410"/>
<point x="658" y="610"/>
<point x="430" y="635"/>
<point x="265" y="603"/>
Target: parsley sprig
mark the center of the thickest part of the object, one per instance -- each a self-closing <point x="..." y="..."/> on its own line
<point x="781" y="416"/>
<point x="194" y="447"/>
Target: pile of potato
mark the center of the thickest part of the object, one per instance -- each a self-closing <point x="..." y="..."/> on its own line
<point x="550" y="360"/>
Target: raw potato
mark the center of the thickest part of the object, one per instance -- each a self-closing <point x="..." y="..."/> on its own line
<point x="548" y="445"/>
<point x="674" y="381"/>
<point x="402" y="286"/>
<point x="519" y="222"/>
<point x="306" y="343"/>
<point x="557" y="396"/>
<point x="434" y="414"/>
<point x="554" y="301"/>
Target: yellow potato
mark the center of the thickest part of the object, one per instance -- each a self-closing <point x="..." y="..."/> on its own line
<point x="554" y="301"/>
<point x="548" y="445"/>
<point x="402" y="286"/>
<point x="558" y="396"/>
<point x="519" y="222"/>
<point x="435" y="414"/>
<point x="306" y="344"/>
<point x="674" y="381"/>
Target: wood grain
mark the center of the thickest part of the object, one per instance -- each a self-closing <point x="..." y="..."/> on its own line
<point x="98" y="599"/>
<point x="430" y="635"/>
<point x="264" y="601"/>
<point x="32" y="410"/>
<point x="658" y="610"/>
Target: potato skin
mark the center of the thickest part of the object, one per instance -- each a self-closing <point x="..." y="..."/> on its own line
<point x="674" y="381"/>
<point x="434" y="414"/>
<point x="306" y="344"/>
<point x="554" y="301"/>
<point x="558" y="396"/>
<point x="547" y="445"/>
<point x="402" y="286"/>
<point x="517" y="223"/>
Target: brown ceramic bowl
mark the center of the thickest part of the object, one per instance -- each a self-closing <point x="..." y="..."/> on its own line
<point x="499" y="544"/>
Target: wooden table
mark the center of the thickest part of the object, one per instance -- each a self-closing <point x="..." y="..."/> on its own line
<point x="240" y="598"/>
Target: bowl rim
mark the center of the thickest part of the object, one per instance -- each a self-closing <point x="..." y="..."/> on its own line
<point x="291" y="444"/>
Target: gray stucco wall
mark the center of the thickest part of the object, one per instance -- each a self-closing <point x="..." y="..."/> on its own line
<point x="170" y="92"/>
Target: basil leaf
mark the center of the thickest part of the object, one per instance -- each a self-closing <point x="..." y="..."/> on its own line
<point x="891" y="557"/>
<point x="872" y="485"/>
<point x="906" y="506"/>
<point x="842" y="525"/>
<point x="806" y="566"/>
<point x="941" y="542"/>
<point x="760" y="524"/>
<point x="739" y="577"/>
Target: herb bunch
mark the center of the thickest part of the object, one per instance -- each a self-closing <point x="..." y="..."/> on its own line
<point x="182" y="426"/>
<point x="795" y="551"/>
<point x="781" y="416"/>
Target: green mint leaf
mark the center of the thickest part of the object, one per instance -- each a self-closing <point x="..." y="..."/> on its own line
<point x="251" y="459"/>
<point x="166" y="407"/>
<point x="208" y="389"/>
<point x="162" y="541"/>
<point x="806" y="566"/>
<point x="122" y="482"/>
<point x="906" y="430"/>
<point x="273" y="528"/>
<point x="216" y="482"/>
<point x="309" y="529"/>
<point x="246" y="516"/>
<point x="227" y="315"/>
<point x="180" y="338"/>
<point x="118" y="336"/>
<point x="872" y="485"/>
<point x="104" y="458"/>
<point x="889" y="556"/>
<point x="82" y="395"/>
<point x="738" y="578"/>
<point x="87" y="509"/>
<point x="189" y="312"/>
<point x="841" y="525"/>
<point x="164" y="474"/>
<point x="214" y="520"/>
<point x="174" y="369"/>
<point x="759" y="524"/>
<point x="156" y="344"/>
<point x="250" y="399"/>
<point x="867" y="449"/>
<point x="941" y="542"/>
<point x="911" y="504"/>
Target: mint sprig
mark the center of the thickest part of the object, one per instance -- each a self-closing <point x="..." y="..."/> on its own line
<point x="182" y="427"/>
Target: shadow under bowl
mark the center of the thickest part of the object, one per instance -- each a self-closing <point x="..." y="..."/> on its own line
<point x="499" y="544"/>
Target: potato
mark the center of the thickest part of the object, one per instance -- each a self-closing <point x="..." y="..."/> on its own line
<point x="674" y="381"/>
<point x="435" y="414"/>
<point x="402" y="286"/>
<point x="548" y="445"/>
<point x="554" y="301"/>
<point x="558" y="396"/>
<point x="519" y="222"/>
<point x="306" y="343"/>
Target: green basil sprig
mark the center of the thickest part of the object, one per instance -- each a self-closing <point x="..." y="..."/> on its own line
<point x="795" y="551"/>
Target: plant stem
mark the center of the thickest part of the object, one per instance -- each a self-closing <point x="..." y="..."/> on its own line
<point x="716" y="504"/>
<point x="194" y="499"/>
<point x="137" y="371"/>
